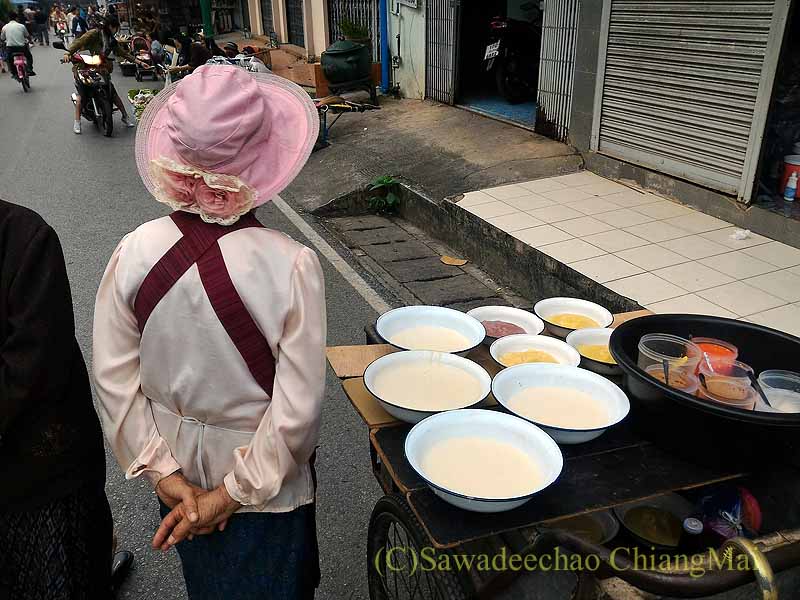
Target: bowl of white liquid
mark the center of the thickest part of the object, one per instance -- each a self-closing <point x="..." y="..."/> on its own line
<point x="482" y="460"/>
<point x="415" y="384"/>
<point x="573" y="405"/>
<point x="430" y="328"/>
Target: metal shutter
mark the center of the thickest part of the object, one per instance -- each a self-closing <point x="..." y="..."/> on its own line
<point x="557" y="67"/>
<point x="440" y="50"/>
<point x="266" y="17"/>
<point x="360" y="12"/>
<point x="686" y="85"/>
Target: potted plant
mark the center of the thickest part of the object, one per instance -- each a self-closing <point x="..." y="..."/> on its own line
<point x="355" y="32"/>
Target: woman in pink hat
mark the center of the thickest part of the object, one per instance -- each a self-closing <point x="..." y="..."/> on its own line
<point x="209" y="338"/>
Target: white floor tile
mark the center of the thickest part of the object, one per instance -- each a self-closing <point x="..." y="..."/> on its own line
<point x="695" y="247"/>
<point x="583" y="226"/>
<point x="785" y="318"/>
<point x="557" y="212"/>
<point x="723" y="236"/>
<point x="474" y="198"/>
<point x="505" y="192"/>
<point x="738" y="265"/>
<point x="623" y="217"/>
<point x="541" y="235"/>
<point x="776" y="253"/>
<point x="603" y="188"/>
<point x="656" y="231"/>
<point x="530" y="202"/>
<point x="491" y="209"/>
<point x="566" y="196"/>
<point x="663" y="209"/>
<point x="593" y="206"/>
<point x="547" y="184"/>
<point x="690" y="304"/>
<point x="579" y="178"/>
<point x="645" y="288"/>
<point x="615" y="240"/>
<point x="571" y="251"/>
<point x="697" y="222"/>
<point x="515" y="222"/>
<point x="783" y="284"/>
<point x="651" y="257"/>
<point x="740" y="298"/>
<point x="693" y="276"/>
<point x="605" y="268"/>
<point x="632" y="198"/>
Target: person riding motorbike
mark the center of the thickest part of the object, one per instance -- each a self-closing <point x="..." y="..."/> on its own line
<point x="101" y="41"/>
<point x="16" y="37"/>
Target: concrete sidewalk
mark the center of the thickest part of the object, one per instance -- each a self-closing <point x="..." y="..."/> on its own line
<point x="442" y="149"/>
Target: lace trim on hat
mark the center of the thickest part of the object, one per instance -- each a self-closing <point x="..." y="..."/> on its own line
<point x="217" y="198"/>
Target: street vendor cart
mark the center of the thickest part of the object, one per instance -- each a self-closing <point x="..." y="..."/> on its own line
<point x="615" y="469"/>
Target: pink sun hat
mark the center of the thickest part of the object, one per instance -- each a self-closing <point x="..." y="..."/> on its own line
<point x="224" y="140"/>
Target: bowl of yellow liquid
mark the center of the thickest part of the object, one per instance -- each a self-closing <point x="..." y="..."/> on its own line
<point x="519" y="349"/>
<point x="562" y="316"/>
<point x="592" y="345"/>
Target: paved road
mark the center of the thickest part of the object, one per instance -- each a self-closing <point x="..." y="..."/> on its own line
<point x="87" y="188"/>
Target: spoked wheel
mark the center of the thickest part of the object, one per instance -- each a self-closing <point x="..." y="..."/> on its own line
<point x="395" y="564"/>
<point x="26" y="84"/>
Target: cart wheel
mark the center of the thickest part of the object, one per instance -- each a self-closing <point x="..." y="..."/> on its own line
<point x="394" y="525"/>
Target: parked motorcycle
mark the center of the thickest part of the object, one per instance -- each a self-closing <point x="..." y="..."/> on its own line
<point x="96" y="103"/>
<point x="513" y="53"/>
<point x="19" y="70"/>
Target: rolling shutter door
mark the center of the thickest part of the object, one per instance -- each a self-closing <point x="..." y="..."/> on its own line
<point x="686" y="85"/>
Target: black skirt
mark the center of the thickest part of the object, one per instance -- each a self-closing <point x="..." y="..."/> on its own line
<point x="60" y="551"/>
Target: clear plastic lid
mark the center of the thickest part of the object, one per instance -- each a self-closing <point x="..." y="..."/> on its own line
<point x="658" y="347"/>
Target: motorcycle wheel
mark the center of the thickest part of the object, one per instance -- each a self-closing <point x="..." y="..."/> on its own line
<point x="106" y="117"/>
<point x="510" y="82"/>
<point x="26" y="86"/>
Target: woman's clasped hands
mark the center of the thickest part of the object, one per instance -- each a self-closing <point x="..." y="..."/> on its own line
<point x="195" y="511"/>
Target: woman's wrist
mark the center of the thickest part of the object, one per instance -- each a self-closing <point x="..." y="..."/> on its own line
<point x="231" y="505"/>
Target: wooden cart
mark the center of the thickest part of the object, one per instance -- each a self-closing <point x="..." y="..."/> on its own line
<point x="411" y="529"/>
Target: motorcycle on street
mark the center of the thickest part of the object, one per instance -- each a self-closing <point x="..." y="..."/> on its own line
<point x="513" y="53"/>
<point x="92" y="75"/>
<point x="18" y="64"/>
<point x="62" y="31"/>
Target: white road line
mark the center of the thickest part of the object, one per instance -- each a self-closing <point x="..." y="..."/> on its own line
<point x="362" y="287"/>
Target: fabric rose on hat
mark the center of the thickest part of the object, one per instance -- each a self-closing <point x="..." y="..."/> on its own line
<point x="222" y="199"/>
<point x="175" y="183"/>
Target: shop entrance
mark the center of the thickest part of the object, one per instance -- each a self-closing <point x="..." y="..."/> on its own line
<point x="498" y="48"/>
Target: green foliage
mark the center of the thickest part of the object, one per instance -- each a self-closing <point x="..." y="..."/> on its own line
<point x="5" y="8"/>
<point x="353" y="30"/>
<point x="383" y="194"/>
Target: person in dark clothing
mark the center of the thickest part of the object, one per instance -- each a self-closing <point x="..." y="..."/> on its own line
<point x="79" y="26"/>
<point x="40" y="23"/>
<point x="55" y="521"/>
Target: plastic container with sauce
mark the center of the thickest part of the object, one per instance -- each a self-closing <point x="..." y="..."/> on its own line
<point x="716" y="349"/>
<point x="680" y="378"/>
<point x="655" y="348"/>
<point x="727" y="382"/>
<point x="782" y="389"/>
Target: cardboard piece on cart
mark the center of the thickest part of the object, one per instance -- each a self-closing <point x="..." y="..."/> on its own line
<point x="621" y="318"/>
<point x="365" y="403"/>
<point x="352" y="361"/>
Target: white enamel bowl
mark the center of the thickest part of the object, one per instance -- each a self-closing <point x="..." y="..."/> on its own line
<point x="406" y="317"/>
<point x="514" y="379"/>
<point x="594" y="337"/>
<point x="412" y="415"/>
<point x="551" y="307"/>
<point x="561" y="351"/>
<point x="491" y="425"/>
<point x="532" y="324"/>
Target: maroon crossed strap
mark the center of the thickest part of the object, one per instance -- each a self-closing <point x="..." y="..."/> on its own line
<point x="199" y="245"/>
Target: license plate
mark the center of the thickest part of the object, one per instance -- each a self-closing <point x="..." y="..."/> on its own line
<point x="492" y="50"/>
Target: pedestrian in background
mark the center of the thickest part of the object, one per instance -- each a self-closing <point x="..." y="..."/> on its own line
<point x="42" y="30"/>
<point x="55" y="522"/>
<point x="209" y="338"/>
<point x="3" y="57"/>
<point x="78" y="25"/>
